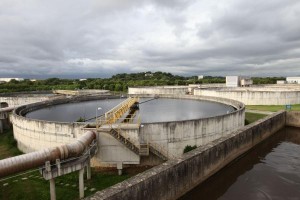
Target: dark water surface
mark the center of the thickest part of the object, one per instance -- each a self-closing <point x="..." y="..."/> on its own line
<point x="270" y="171"/>
<point x="158" y="110"/>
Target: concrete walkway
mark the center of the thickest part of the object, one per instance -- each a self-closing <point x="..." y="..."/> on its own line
<point x="260" y="112"/>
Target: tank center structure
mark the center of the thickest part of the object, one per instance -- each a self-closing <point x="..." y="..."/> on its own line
<point x="122" y="137"/>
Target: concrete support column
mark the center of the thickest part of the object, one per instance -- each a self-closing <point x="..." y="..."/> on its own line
<point x="88" y="171"/>
<point x="81" y="183"/>
<point x="52" y="189"/>
<point x="120" y="168"/>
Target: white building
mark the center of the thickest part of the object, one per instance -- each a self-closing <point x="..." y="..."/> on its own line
<point x="200" y="77"/>
<point x="237" y="81"/>
<point x="281" y="82"/>
<point x="148" y="74"/>
<point x="9" y="79"/>
<point x="246" y="81"/>
<point x="293" y="80"/>
<point x="232" y="81"/>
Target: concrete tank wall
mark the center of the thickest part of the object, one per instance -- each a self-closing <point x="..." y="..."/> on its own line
<point x="14" y="101"/>
<point x="253" y="96"/>
<point x="173" y="137"/>
<point x="176" y="177"/>
<point x="111" y="151"/>
<point x="175" y="90"/>
<point x="32" y="135"/>
<point x="293" y="118"/>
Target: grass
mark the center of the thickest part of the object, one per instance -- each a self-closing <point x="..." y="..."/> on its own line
<point x="32" y="186"/>
<point x="35" y="187"/>
<point x="8" y="145"/>
<point x="252" y="117"/>
<point x="272" y="108"/>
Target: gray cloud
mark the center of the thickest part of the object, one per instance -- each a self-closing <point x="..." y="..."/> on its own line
<point x="99" y="38"/>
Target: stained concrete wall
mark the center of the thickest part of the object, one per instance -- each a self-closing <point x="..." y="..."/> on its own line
<point x="176" y="177"/>
<point x="173" y="137"/>
<point x="255" y="96"/>
<point x="15" y="101"/>
<point x="4" y="117"/>
<point x="111" y="151"/>
<point x="175" y="90"/>
<point x="293" y="118"/>
<point x="34" y="134"/>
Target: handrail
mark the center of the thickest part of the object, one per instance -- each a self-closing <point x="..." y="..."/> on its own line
<point x="117" y="112"/>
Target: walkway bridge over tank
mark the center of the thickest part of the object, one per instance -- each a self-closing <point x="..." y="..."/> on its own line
<point x="126" y="115"/>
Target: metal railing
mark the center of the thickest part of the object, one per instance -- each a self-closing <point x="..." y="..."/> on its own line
<point x="116" y="113"/>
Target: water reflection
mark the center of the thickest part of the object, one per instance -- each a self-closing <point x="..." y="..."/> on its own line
<point x="153" y="111"/>
<point x="270" y="171"/>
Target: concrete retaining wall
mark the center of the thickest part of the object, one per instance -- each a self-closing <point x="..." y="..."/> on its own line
<point x="176" y="177"/>
<point x="293" y="118"/>
<point x="262" y="96"/>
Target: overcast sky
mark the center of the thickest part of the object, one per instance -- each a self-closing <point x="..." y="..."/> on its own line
<point x="99" y="38"/>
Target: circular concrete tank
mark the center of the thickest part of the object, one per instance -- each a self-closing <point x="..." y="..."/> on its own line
<point x="256" y="95"/>
<point x="22" y="98"/>
<point x="171" y="134"/>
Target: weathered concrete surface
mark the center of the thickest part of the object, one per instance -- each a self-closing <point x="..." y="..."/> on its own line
<point x="174" y="136"/>
<point x="111" y="151"/>
<point x="293" y="118"/>
<point x="33" y="134"/>
<point x="266" y="95"/>
<point x="175" y="177"/>
<point x="175" y="90"/>
<point x="20" y="98"/>
<point x="4" y="116"/>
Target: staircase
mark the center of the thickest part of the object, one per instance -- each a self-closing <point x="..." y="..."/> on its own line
<point x="144" y="150"/>
<point x="124" y="141"/>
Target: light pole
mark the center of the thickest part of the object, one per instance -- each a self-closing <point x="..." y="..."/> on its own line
<point x="99" y="108"/>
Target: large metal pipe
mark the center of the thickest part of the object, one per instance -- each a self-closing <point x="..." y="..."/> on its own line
<point x="7" y="109"/>
<point x="35" y="159"/>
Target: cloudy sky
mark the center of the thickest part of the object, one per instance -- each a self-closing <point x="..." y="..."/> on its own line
<point x="98" y="38"/>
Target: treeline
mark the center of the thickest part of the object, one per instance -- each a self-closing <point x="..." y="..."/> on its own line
<point x="266" y="80"/>
<point x="118" y="82"/>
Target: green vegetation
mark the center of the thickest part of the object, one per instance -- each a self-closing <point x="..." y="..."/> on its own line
<point x="119" y="82"/>
<point x="8" y="147"/>
<point x="272" y="108"/>
<point x="81" y="119"/>
<point x="266" y="80"/>
<point x="252" y="117"/>
<point x="188" y="148"/>
<point x="33" y="186"/>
